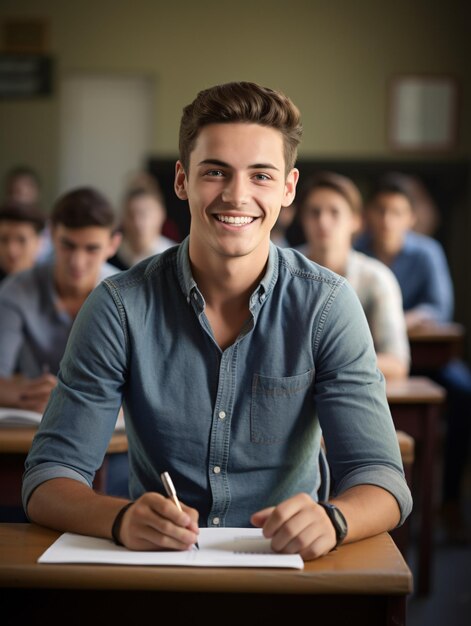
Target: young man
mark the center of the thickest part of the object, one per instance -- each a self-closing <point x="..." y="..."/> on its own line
<point x="20" y="237"/>
<point x="229" y="356"/>
<point x="417" y="261"/>
<point x="420" y="266"/>
<point x="144" y="215"/>
<point x="38" y="306"/>
<point x="330" y="213"/>
<point x="22" y="185"/>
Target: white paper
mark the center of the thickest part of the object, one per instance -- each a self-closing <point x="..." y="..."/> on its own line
<point x="218" y="547"/>
<point x="19" y="417"/>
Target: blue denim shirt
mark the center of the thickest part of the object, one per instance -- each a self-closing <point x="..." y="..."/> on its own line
<point x="238" y="429"/>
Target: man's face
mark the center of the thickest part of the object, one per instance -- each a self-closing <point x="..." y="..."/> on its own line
<point x="389" y="216"/>
<point x="19" y="246"/>
<point x="328" y="221"/>
<point x="235" y="188"/>
<point x="23" y="189"/>
<point x="143" y="219"/>
<point x="79" y="255"/>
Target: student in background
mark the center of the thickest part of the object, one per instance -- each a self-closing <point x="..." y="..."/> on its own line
<point x="38" y="306"/>
<point x="420" y="266"/>
<point x="21" y="226"/>
<point x="22" y="185"/>
<point x="143" y="179"/>
<point x="330" y="212"/>
<point x="143" y="217"/>
<point x="230" y="357"/>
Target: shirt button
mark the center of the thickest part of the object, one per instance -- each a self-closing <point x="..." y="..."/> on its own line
<point x="216" y="469"/>
<point x="216" y="521"/>
<point x="222" y="414"/>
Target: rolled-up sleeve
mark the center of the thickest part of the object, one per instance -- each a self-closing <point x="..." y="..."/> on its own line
<point x="359" y="433"/>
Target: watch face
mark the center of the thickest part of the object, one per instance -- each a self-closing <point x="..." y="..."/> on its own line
<point x="338" y="520"/>
<point x="341" y="523"/>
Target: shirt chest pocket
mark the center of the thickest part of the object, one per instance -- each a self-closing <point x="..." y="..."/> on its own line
<point x="279" y="406"/>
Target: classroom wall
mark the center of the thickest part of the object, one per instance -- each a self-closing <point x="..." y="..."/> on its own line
<point x="333" y="57"/>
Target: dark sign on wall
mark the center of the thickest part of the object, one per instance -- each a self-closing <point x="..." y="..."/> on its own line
<point x="25" y="76"/>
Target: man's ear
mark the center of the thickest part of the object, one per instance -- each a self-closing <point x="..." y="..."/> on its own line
<point x="115" y="241"/>
<point x="290" y="187"/>
<point x="180" y="181"/>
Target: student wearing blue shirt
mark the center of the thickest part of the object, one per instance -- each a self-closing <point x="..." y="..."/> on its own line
<point x="231" y="357"/>
<point x="421" y="268"/>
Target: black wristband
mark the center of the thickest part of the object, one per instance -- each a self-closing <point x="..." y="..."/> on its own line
<point x="117" y="524"/>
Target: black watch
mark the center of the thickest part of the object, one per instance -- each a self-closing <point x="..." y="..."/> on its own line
<point x="338" y="521"/>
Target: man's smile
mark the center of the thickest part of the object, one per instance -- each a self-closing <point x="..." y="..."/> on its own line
<point x="235" y="220"/>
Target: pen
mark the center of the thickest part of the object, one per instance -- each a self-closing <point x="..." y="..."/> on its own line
<point x="172" y="493"/>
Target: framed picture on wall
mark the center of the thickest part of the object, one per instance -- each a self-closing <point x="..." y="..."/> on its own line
<point x="423" y="113"/>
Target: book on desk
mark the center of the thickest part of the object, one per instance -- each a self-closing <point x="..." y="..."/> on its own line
<point x="21" y="417"/>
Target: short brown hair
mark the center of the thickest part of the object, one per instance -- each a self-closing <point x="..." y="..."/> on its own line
<point x="392" y="183"/>
<point x="331" y="180"/>
<point x="25" y="213"/>
<point x="83" y="207"/>
<point x="241" y="102"/>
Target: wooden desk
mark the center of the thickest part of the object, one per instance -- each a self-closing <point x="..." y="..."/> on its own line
<point x="415" y="404"/>
<point x="369" y="579"/>
<point x="433" y="346"/>
<point x="15" y="442"/>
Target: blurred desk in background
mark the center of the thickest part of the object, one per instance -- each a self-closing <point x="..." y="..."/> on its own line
<point x="434" y="345"/>
<point x="15" y="442"/>
<point x="416" y="404"/>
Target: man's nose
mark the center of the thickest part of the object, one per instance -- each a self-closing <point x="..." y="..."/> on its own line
<point x="78" y="259"/>
<point x="236" y="191"/>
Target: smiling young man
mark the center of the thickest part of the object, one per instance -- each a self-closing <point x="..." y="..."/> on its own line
<point x="231" y="357"/>
<point x="38" y="306"/>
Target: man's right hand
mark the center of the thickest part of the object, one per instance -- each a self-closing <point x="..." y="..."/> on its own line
<point x="153" y="522"/>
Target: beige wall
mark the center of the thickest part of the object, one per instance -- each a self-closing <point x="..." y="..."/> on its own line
<point x="333" y="57"/>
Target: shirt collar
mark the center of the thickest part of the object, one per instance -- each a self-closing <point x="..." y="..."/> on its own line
<point x="188" y="283"/>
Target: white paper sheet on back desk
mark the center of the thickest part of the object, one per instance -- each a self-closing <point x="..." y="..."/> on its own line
<point x="218" y="547"/>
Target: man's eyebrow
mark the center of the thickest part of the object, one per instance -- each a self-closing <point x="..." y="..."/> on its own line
<point x="255" y="166"/>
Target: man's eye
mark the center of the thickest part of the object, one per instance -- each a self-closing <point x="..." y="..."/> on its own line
<point x="214" y="173"/>
<point x="262" y="177"/>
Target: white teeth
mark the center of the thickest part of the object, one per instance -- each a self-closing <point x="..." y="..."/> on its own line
<point x="237" y="221"/>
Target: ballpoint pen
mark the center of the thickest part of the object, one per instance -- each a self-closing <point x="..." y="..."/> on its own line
<point x="172" y="493"/>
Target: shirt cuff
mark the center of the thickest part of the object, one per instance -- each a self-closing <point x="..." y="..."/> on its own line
<point x="46" y="471"/>
<point x="386" y="478"/>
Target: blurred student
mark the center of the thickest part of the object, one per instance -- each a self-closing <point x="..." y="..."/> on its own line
<point x="418" y="261"/>
<point x="144" y="215"/>
<point x="38" y="306"/>
<point x="420" y="266"/>
<point x="22" y="185"/>
<point x="426" y="212"/>
<point x="21" y="226"/>
<point x="330" y="213"/>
